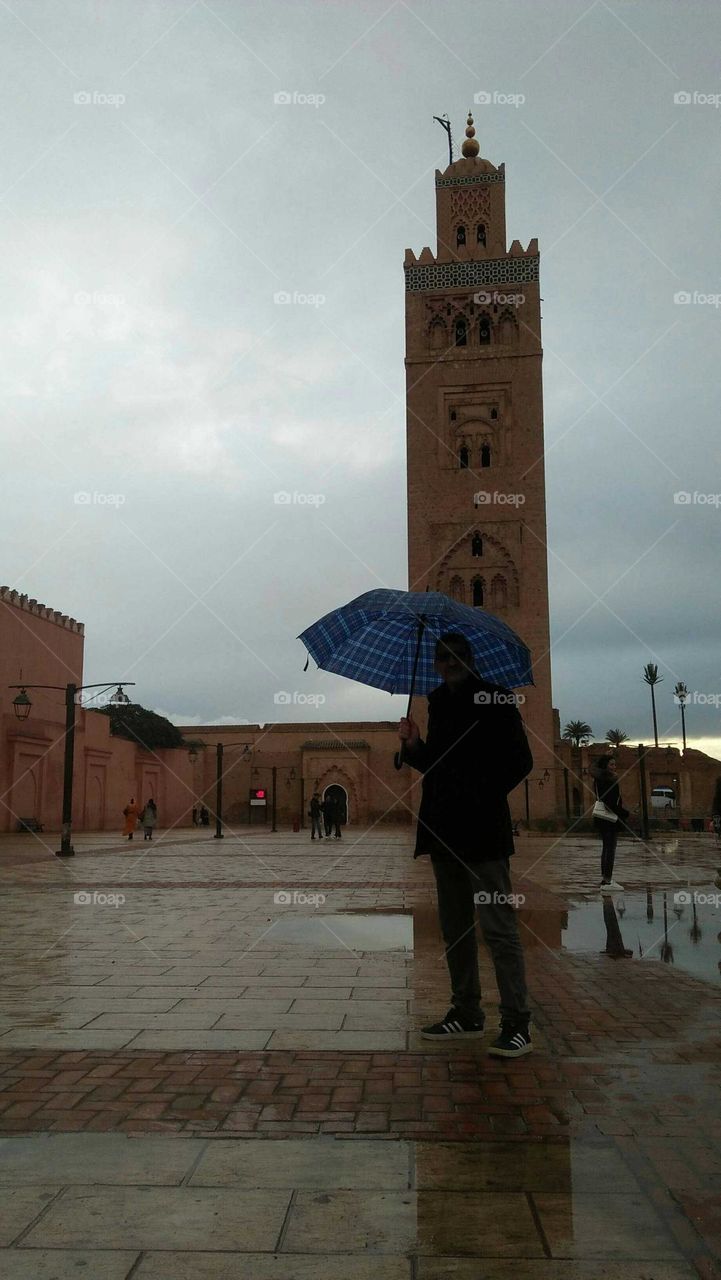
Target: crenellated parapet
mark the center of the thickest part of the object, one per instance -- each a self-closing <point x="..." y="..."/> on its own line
<point x="39" y="610"/>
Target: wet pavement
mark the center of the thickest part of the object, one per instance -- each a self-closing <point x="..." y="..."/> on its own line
<point x="210" y="1066"/>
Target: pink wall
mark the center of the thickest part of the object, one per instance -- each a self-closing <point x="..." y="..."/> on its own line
<point x="48" y="647"/>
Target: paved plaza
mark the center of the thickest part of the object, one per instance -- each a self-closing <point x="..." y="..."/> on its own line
<point x="210" y="1066"/>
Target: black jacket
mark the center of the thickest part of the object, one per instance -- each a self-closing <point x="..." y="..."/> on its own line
<point x="476" y="752"/>
<point x="607" y="789"/>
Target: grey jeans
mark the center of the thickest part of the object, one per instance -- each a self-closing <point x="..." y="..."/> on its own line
<point x="456" y="885"/>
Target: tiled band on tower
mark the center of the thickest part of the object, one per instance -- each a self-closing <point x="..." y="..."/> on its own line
<point x="476" y="482"/>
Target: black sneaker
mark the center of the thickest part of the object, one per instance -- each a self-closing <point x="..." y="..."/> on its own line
<point x="513" y="1042"/>
<point x="453" y="1027"/>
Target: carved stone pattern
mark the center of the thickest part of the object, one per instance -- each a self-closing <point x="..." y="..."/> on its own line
<point x="471" y="207"/>
<point x="471" y="182"/>
<point x="457" y="275"/>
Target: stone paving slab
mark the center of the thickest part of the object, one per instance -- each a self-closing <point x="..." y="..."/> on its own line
<point x="20" y="1206"/>
<point x="178" y="1218"/>
<point x="258" y="1266"/>
<point x="66" y="1264"/>
<point x="90" y="1158"/>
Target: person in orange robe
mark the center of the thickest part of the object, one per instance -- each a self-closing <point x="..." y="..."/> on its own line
<point x="131" y="813"/>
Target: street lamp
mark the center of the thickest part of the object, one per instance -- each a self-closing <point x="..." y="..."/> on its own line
<point x="219" y="748"/>
<point x="274" y="773"/>
<point x="21" y="707"/>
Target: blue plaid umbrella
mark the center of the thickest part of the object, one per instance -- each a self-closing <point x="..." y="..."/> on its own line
<point x="387" y="639"/>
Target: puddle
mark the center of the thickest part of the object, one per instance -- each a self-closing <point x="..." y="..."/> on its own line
<point x="653" y="926"/>
<point x="352" y="930"/>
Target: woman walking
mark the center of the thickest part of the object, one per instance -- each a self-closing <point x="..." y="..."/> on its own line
<point x="149" y="818"/>
<point x="608" y="811"/>
<point x="131" y="813"/>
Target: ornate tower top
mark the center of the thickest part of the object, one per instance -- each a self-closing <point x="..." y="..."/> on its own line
<point x="470" y="147"/>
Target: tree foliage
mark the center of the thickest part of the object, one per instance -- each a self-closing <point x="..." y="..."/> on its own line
<point x="145" y="727"/>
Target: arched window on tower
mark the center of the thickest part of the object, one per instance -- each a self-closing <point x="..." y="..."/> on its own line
<point x="463" y="457"/>
<point x="485" y="455"/>
<point x="481" y="233"/>
<point x="477" y="592"/>
<point x="461" y="332"/>
<point x="460" y="235"/>
<point x="484" y="331"/>
<point x="499" y="592"/>
<point x="476" y="545"/>
<point x="507" y="330"/>
<point x="457" y="590"/>
<point x="439" y="336"/>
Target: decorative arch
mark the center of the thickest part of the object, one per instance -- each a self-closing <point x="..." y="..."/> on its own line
<point x="485" y="454"/>
<point x="497" y="562"/>
<point x="463" y="457"/>
<point x="499" y="592"/>
<point x="476" y="544"/>
<point x="336" y="776"/>
<point x="438" y="335"/>
<point x="478" y="588"/>
<point x="508" y="329"/>
<point x="457" y="589"/>
<point x="460" y="331"/>
<point x="485" y="330"/>
<point x="460" y="234"/>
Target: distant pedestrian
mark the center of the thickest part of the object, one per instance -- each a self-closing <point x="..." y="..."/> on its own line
<point x="315" y="813"/>
<point x="131" y="813"/>
<point x="204" y="817"/>
<point x="328" y="808"/>
<point x="340" y="818"/>
<point x="716" y="810"/>
<point x="196" y="819"/>
<point x="475" y="753"/>
<point x="608" y="812"/>
<point x="149" y="817"/>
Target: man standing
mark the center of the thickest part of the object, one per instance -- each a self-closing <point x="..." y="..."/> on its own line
<point x="475" y="753"/>
<point x="315" y="816"/>
<point x="328" y="808"/>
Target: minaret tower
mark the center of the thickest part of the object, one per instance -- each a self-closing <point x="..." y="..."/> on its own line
<point x="476" y="483"/>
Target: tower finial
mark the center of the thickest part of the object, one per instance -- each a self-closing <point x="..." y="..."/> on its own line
<point x="470" y="147"/>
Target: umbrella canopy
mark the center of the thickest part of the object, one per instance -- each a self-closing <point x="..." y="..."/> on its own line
<point x="374" y="639"/>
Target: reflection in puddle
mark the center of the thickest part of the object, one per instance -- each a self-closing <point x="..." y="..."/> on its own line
<point x="359" y="932"/>
<point x="679" y="927"/>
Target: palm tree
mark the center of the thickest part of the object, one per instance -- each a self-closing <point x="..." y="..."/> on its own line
<point x="652" y="678"/>
<point x="578" y="732"/>
<point x="680" y="693"/>
<point x="616" y="737"/>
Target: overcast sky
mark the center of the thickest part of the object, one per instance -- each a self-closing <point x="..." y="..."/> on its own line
<point x="155" y="200"/>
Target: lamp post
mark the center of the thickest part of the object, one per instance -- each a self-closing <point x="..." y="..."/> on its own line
<point x="22" y="705"/>
<point x="219" y="749"/>
<point x="274" y="774"/>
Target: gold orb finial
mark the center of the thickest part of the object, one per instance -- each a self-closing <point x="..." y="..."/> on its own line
<point x="470" y="146"/>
